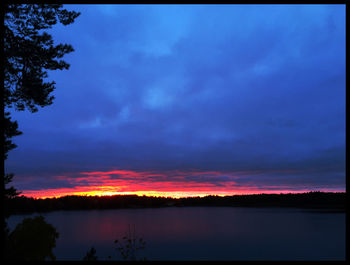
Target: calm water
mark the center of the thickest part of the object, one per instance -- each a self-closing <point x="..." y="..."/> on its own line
<point x="201" y="233"/>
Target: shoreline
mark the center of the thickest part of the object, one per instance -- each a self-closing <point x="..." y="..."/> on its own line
<point x="314" y="201"/>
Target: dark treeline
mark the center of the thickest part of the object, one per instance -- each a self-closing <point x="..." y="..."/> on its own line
<point x="314" y="200"/>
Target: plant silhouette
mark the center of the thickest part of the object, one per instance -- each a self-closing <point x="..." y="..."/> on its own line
<point x="91" y="255"/>
<point x="130" y="245"/>
<point x="29" y="53"/>
<point x="31" y="240"/>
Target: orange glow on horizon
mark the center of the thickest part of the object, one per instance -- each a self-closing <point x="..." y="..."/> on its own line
<point x="175" y="184"/>
<point x="173" y="194"/>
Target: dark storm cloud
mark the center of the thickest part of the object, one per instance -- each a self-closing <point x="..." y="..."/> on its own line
<point x="221" y="88"/>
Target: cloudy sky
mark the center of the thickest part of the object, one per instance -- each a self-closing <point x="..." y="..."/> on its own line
<point x="191" y="100"/>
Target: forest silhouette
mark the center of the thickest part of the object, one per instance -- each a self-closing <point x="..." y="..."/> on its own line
<point x="313" y="200"/>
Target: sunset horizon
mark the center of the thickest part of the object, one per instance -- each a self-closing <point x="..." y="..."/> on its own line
<point x="210" y="132"/>
<point x="174" y="195"/>
<point x="103" y="184"/>
<point x="170" y="103"/>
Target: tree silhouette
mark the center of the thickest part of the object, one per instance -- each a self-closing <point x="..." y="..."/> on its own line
<point x="33" y="239"/>
<point x="10" y="130"/>
<point x="28" y="53"/>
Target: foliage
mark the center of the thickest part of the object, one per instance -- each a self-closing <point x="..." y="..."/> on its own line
<point x="29" y="51"/>
<point x="10" y="192"/>
<point x="10" y="130"/>
<point x="130" y="245"/>
<point x="91" y="255"/>
<point x="32" y="240"/>
<point x="325" y="200"/>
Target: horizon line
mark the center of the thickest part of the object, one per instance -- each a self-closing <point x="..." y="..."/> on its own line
<point x="174" y="197"/>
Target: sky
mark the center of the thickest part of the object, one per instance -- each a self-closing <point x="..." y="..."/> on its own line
<point x="190" y="100"/>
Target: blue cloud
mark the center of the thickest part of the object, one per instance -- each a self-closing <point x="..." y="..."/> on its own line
<point x="236" y="87"/>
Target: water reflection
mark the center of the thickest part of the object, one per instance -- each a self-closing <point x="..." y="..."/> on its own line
<point x="202" y="233"/>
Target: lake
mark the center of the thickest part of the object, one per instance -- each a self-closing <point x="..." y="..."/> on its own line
<point x="201" y="233"/>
